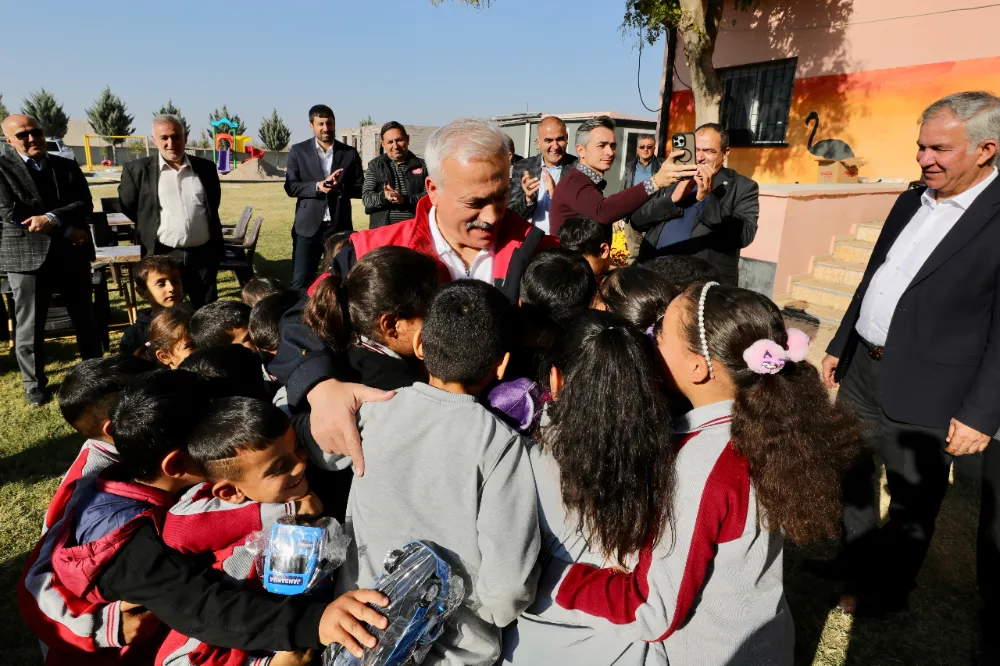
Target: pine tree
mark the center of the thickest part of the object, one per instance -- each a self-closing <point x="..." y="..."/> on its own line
<point x="172" y="110"/>
<point x="109" y="117"/>
<point x="366" y="122"/>
<point x="43" y="107"/>
<point x="215" y="115"/>
<point x="273" y="133"/>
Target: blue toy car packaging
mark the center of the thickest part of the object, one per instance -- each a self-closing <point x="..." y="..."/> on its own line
<point x="422" y="593"/>
<point x="293" y="559"/>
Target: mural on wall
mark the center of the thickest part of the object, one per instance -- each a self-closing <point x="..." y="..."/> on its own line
<point x="827" y="149"/>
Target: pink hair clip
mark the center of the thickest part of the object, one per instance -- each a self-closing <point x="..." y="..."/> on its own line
<point x="767" y="357"/>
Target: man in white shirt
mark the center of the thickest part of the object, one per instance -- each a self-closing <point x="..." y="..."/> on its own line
<point x="918" y="357"/>
<point x="174" y="200"/>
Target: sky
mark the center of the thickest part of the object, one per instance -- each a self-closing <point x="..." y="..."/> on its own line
<point x="404" y="60"/>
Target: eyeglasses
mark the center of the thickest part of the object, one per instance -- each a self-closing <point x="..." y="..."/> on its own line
<point x="649" y="147"/>
<point x="35" y="133"/>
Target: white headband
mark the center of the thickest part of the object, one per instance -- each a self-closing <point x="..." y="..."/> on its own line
<point x="701" y="326"/>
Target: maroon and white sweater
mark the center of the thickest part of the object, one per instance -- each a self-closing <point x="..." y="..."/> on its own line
<point x="710" y="592"/>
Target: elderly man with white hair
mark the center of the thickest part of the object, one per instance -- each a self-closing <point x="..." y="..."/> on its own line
<point x="463" y="223"/>
<point x="174" y="198"/>
<point x="918" y="356"/>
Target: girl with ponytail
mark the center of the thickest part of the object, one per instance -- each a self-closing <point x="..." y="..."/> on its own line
<point x="759" y="458"/>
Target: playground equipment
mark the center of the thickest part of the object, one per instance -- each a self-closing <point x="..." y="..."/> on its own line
<point x="225" y="143"/>
<point x="110" y="140"/>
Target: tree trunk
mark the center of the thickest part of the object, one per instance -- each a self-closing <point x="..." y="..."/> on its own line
<point x="699" y="26"/>
<point x="666" y="93"/>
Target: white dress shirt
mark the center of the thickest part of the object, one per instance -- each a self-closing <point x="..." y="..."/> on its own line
<point x="326" y="161"/>
<point x="918" y="239"/>
<point x="183" y="206"/>
<point x="540" y="218"/>
<point x="482" y="265"/>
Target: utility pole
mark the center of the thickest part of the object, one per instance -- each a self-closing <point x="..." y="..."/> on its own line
<point x="666" y="93"/>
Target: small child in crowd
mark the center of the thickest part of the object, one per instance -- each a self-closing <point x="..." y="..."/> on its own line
<point x="637" y="294"/>
<point x="158" y="280"/>
<point x="590" y="238"/>
<point x="254" y="474"/>
<point x="229" y="370"/>
<point x="387" y="294"/>
<point x="258" y="288"/>
<point x="221" y="323"/>
<point x="332" y="246"/>
<point x="169" y="337"/>
<point x="264" y="319"/>
<point x="682" y="270"/>
<point x="439" y="466"/>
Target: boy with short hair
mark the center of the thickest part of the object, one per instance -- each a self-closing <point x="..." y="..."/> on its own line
<point x="682" y="270"/>
<point x="229" y="370"/>
<point x="221" y="323"/>
<point x="590" y="238"/>
<point x="258" y="288"/>
<point x="441" y="468"/>
<point x="158" y="281"/>
<point x="264" y="319"/>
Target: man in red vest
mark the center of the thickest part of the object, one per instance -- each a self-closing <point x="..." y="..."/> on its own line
<point x="463" y="223"/>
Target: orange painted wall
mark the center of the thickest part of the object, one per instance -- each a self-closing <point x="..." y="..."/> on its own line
<point x="875" y="112"/>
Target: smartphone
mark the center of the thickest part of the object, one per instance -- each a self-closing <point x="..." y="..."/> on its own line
<point x="683" y="141"/>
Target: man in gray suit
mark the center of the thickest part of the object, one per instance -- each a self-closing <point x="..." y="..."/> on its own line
<point x="44" y="247"/>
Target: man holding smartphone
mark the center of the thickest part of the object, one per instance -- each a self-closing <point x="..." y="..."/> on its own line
<point x="323" y="174"/>
<point x="711" y="215"/>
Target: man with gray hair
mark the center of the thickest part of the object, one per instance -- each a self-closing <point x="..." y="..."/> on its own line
<point x="174" y="198"/>
<point x="918" y="357"/>
<point x="463" y="224"/>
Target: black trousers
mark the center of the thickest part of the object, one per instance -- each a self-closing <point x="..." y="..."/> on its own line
<point x="199" y="270"/>
<point x="988" y="546"/>
<point x="306" y="254"/>
<point x="887" y="560"/>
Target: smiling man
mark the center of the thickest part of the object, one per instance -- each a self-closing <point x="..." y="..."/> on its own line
<point x="394" y="181"/>
<point x="918" y="357"/>
<point x="581" y="190"/>
<point x="534" y="178"/>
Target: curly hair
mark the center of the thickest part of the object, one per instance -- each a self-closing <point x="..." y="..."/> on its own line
<point x="610" y="435"/>
<point x="798" y="442"/>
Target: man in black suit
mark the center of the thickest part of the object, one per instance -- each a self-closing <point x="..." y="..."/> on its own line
<point x="918" y="356"/>
<point x="323" y="174"/>
<point x="711" y="216"/>
<point x="174" y="199"/>
<point x="44" y="247"/>
<point x="534" y="178"/>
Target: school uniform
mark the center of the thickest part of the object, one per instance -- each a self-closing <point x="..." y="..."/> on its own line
<point x="94" y="457"/>
<point x="136" y="336"/>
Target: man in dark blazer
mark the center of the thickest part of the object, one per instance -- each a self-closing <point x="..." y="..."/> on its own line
<point x="638" y="169"/>
<point x="918" y="356"/>
<point x="534" y="178"/>
<point x="44" y="247"/>
<point x="711" y="216"/>
<point x="323" y="174"/>
<point x="394" y="181"/>
<point x="174" y="198"/>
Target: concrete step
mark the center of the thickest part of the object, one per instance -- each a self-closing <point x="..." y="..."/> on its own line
<point x="831" y="269"/>
<point x="822" y="293"/>
<point x="868" y="231"/>
<point x="798" y="310"/>
<point x="850" y="249"/>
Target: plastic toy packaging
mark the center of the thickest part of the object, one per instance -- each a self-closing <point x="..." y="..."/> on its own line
<point x="422" y="593"/>
<point x="293" y="558"/>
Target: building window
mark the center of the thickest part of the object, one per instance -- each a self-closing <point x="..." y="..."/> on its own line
<point x="354" y="142"/>
<point x="755" y="101"/>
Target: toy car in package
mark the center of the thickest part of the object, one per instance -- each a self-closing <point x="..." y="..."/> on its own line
<point x="422" y="593"/>
<point x="295" y="558"/>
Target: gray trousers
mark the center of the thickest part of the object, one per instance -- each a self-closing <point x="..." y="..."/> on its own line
<point x="33" y="291"/>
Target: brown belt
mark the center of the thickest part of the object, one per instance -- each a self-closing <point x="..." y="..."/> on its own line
<point x="874" y="351"/>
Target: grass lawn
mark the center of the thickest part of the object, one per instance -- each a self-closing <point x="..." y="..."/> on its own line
<point x="36" y="447"/>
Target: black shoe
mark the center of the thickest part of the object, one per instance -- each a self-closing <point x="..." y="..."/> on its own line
<point x="37" y="397"/>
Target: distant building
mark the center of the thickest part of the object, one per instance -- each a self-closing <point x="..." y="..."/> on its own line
<point x="523" y="129"/>
<point x="366" y="140"/>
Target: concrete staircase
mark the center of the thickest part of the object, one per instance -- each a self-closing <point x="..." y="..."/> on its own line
<point x="826" y="294"/>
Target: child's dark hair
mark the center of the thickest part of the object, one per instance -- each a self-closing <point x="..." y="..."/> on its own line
<point x="682" y="270"/>
<point x="257" y="289"/>
<point x="466" y="332"/>
<point x="388" y="280"/>
<point x="153" y="416"/>
<point x="558" y="284"/>
<point x="231" y="425"/>
<point x="155" y="263"/>
<point x="167" y="329"/>
<point x="584" y="235"/>
<point x="797" y="442"/>
<point x="265" y="317"/>
<point x="215" y="323"/>
<point x="639" y="295"/>
<point x="229" y="369"/>
<point x="331" y="246"/>
<point x="91" y="387"/>
<point x="610" y="434"/>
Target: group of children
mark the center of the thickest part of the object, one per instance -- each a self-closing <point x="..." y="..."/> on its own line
<point x="609" y="464"/>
